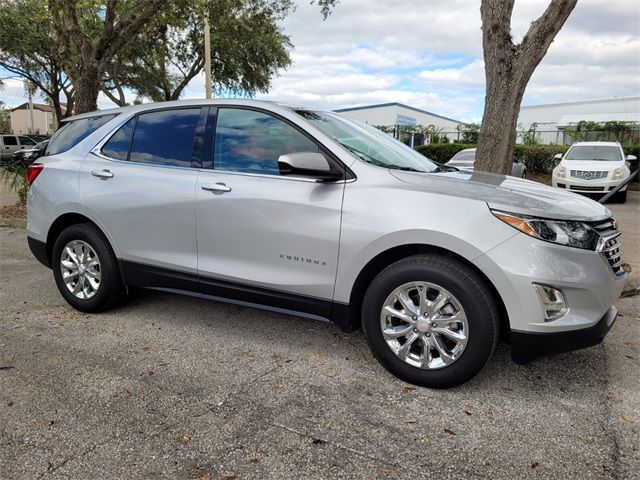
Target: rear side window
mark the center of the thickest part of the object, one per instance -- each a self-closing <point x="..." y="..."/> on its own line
<point x="118" y="146"/>
<point x="166" y="137"/>
<point x="10" y="140"/>
<point x="73" y="132"/>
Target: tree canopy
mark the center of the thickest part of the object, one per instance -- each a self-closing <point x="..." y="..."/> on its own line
<point x="152" y="48"/>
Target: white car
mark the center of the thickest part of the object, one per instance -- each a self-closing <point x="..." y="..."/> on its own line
<point x="593" y="167"/>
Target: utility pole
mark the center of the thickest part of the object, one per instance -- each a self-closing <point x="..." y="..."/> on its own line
<point x="33" y="129"/>
<point x="207" y="56"/>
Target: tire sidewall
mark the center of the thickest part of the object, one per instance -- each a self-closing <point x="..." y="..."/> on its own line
<point x="475" y="299"/>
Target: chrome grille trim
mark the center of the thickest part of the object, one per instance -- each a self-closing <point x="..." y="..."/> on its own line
<point x="609" y="246"/>
<point x="589" y="174"/>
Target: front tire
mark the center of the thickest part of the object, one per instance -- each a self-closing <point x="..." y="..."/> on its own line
<point x="430" y="320"/>
<point x="86" y="269"/>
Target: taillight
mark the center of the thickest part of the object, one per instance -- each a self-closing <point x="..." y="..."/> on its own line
<point x="33" y="171"/>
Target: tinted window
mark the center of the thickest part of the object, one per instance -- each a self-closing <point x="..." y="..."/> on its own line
<point x="73" y="132"/>
<point x="26" y="141"/>
<point x="165" y="138"/>
<point x="118" y="146"/>
<point x="248" y="141"/>
<point x="9" y="140"/>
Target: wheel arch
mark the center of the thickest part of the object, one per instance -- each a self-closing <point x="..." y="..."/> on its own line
<point x="59" y="224"/>
<point x="347" y="317"/>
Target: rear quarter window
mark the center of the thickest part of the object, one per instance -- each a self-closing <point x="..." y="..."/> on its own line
<point x="73" y="132"/>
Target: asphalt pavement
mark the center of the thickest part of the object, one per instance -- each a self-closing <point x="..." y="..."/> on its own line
<point x="177" y="387"/>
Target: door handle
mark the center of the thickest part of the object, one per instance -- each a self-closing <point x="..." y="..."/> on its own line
<point x="102" y="174"/>
<point x="217" y="188"/>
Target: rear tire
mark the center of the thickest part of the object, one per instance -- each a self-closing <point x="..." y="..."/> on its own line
<point x="433" y="359"/>
<point x="86" y="270"/>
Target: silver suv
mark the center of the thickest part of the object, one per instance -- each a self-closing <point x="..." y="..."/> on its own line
<point x="306" y="212"/>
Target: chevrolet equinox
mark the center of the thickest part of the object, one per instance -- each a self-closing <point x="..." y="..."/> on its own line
<point x="308" y="212"/>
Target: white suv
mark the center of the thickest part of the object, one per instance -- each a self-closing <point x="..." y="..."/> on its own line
<point x="306" y="212"/>
<point x="594" y="168"/>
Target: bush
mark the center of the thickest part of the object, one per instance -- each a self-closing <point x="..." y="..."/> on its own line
<point x="539" y="158"/>
<point x="14" y="174"/>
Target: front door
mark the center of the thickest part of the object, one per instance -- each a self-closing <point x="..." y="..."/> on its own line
<point x="262" y="237"/>
<point x="140" y="186"/>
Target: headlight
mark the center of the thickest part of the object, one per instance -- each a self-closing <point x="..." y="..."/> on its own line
<point x="561" y="172"/>
<point x="618" y="173"/>
<point x="563" y="232"/>
<point x="29" y="154"/>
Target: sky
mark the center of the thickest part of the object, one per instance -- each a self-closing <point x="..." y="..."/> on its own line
<point x="428" y="54"/>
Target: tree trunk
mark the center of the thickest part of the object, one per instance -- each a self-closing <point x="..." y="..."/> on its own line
<point x="508" y="68"/>
<point x="86" y="88"/>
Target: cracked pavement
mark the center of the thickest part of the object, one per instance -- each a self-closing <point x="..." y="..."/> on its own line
<point x="178" y="387"/>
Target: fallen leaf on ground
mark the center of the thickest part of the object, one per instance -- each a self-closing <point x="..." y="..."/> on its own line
<point x="228" y="477"/>
<point x="317" y="356"/>
<point x="255" y="460"/>
<point x="186" y="438"/>
<point x="450" y="432"/>
<point x="408" y="389"/>
<point x="535" y="464"/>
<point x="626" y="419"/>
<point x="467" y="412"/>
<point x="278" y="385"/>
<point x="127" y="394"/>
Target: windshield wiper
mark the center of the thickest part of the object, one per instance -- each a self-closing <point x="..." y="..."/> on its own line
<point x="441" y="167"/>
<point x="404" y="169"/>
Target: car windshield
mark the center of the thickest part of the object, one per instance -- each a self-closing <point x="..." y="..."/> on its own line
<point x="594" y="152"/>
<point x="464" y="156"/>
<point x="370" y="144"/>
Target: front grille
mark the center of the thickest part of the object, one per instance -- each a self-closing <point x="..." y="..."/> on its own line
<point x="587" y="189"/>
<point x="612" y="248"/>
<point x="589" y="174"/>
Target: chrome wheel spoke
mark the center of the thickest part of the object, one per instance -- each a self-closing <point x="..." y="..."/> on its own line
<point x="406" y="346"/>
<point x="436" y="342"/>
<point x="407" y="304"/>
<point x="397" y="332"/>
<point x="458" y="337"/>
<point x="70" y="276"/>
<point x="407" y="318"/>
<point x="439" y="302"/>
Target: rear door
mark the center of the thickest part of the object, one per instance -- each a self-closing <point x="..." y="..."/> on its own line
<point x="140" y="184"/>
<point x="262" y="237"/>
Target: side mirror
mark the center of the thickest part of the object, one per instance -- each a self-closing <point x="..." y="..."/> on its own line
<point x="631" y="158"/>
<point x="308" y="164"/>
<point x="557" y="158"/>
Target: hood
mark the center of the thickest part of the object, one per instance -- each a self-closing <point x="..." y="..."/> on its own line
<point x="509" y="194"/>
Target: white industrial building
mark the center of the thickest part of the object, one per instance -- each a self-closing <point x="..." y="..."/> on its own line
<point x="553" y="120"/>
<point x="398" y="115"/>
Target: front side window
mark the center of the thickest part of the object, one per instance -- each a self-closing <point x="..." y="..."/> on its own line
<point x="165" y="137"/>
<point x="26" y="141"/>
<point x="118" y="145"/>
<point x="594" y="152"/>
<point x="73" y="132"/>
<point x="251" y="142"/>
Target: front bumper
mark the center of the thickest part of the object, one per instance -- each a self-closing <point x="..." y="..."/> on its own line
<point x="526" y="346"/>
<point x="586" y="186"/>
<point x="585" y="277"/>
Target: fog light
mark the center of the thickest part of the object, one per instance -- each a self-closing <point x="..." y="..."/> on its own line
<point x="553" y="302"/>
